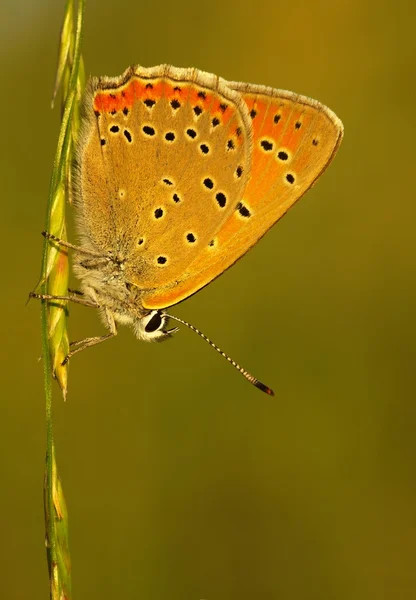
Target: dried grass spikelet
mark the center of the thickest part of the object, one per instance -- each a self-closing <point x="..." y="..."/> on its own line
<point x="56" y="273"/>
<point x="60" y="565"/>
<point x="57" y="285"/>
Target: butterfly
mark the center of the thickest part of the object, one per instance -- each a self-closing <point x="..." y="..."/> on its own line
<point x="178" y="173"/>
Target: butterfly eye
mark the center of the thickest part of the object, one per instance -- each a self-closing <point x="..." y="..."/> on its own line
<point x="154" y="323"/>
<point x="150" y="328"/>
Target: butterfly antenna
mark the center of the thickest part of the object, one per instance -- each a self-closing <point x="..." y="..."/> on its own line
<point x="261" y="386"/>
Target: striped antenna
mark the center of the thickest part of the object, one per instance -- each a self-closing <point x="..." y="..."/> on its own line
<point x="261" y="386"/>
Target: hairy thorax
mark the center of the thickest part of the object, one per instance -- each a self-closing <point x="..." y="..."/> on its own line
<point x="104" y="281"/>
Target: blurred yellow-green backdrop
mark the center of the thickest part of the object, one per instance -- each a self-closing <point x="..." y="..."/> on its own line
<point x="183" y="481"/>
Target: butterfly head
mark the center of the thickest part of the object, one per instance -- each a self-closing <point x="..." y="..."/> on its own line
<point x="151" y="327"/>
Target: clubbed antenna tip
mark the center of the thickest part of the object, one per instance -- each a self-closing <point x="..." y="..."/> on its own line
<point x="264" y="388"/>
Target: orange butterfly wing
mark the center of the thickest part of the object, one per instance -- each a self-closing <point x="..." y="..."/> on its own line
<point x="294" y="140"/>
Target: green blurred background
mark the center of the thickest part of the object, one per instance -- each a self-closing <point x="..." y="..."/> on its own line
<point x="183" y="481"/>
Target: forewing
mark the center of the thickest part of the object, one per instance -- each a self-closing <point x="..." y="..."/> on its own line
<point x="163" y="160"/>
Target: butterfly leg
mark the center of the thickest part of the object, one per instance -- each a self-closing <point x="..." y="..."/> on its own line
<point x="65" y="244"/>
<point x="87" y="342"/>
<point x="92" y="341"/>
<point x="71" y="298"/>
